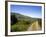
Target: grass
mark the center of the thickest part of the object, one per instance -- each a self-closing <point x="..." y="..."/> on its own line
<point x="20" y="26"/>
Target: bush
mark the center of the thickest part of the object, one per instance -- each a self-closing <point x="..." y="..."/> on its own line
<point x="26" y="22"/>
<point x="40" y="22"/>
<point x="13" y="19"/>
<point x="19" y="28"/>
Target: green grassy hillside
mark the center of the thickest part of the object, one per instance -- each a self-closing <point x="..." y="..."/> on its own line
<point x="23" y="22"/>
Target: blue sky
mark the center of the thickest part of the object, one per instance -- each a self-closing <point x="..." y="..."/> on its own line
<point x="31" y="11"/>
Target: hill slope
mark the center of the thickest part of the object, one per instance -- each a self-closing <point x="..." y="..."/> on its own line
<point x="23" y="17"/>
<point x="23" y="22"/>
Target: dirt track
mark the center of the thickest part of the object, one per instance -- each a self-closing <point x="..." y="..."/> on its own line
<point x="34" y="27"/>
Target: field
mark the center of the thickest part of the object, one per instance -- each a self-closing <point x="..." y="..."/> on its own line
<point x="24" y="23"/>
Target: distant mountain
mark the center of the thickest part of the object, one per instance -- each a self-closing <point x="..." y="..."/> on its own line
<point x="23" y="17"/>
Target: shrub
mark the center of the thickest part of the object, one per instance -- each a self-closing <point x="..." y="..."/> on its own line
<point x="13" y="19"/>
<point x="19" y="28"/>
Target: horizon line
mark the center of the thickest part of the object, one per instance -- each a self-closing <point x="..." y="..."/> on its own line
<point x="27" y="15"/>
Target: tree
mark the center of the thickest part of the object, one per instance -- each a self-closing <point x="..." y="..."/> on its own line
<point x="13" y="19"/>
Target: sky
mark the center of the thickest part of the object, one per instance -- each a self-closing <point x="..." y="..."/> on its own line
<point x="31" y="11"/>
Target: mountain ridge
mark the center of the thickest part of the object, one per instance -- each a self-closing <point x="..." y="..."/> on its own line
<point x="18" y="14"/>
